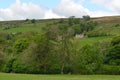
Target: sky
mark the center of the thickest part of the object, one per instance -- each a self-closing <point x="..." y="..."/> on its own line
<point x="48" y="9"/>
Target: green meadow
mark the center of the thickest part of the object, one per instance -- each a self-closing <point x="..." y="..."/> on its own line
<point x="57" y="77"/>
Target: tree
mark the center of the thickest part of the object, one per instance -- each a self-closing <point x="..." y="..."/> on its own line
<point x="33" y="21"/>
<point x="113" y="56"/>
<point x="70" y="20"/>
<point x="76" y="20"/>
<point x="27" y="20"/>
<point x="77" y="30"/>
<point x="35" y="54"/>
<point x="2" y="60"/>
<point x="115" y="41"/>
<point x="86" y="18"/>
<point x="61" y="21"/>
<point x="64" y="45"/>
<point x="42" y="50"/>
<point x="20" y="45"/>
<point x="90" y="60"/>
<point x="87" y="26"/>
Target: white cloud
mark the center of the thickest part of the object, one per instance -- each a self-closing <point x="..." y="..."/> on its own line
<point x="70" y="8"/>
<point x="65" y="8"/>
<point x="100" y="2"/>
<point x="114" y="5"/>
<point x="101" y="14"/>
<point x="50" y="14"/>
<point x="20" y="10"/>
<point x="5" y="14"/>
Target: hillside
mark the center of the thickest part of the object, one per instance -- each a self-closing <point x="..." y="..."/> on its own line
<point x="23" y="25"/>
<point x="106" y="25"/>
<point x="108" y="21"/>
<point x="61" y="46"/>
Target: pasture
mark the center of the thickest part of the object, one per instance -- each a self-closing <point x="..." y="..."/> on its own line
<point x="4" y="76"/>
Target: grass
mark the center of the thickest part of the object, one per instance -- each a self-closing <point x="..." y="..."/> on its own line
<point x="91" y="40"/>
<point x="25" y="28"/>
<point x="115" y="31"/>
<point x="4" y="76"/>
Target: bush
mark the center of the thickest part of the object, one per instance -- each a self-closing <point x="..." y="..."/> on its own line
<point x="97" y="34"/>
<point x="2" y="60"/>
<point x="33" y="21"/>
<point x="2" y="40"/>
<point x="67" y="69"/>
<point x="19" y="67"/>
<point x="54" y="69"/>
<point x="108" y="69"/>
<point x="86" y="17"/>
<point x="116" y="25"/>
<point x="89" y="60"/>
<point x="8" y="65"/>
<point x="22" y="67"/>
<point x="20" y="45"/>
<point x="113" y="56"/>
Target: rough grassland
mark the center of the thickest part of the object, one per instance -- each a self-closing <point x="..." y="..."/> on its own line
<point x="4" y="76"/>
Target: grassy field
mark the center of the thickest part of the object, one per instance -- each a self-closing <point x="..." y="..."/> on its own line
<point x="24" y="28"/>
<point x="92" y="40"/>
<point x="4" y="76"/>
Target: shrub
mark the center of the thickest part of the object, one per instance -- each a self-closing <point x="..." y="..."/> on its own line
<point x="90" y="60"/>
<point x="113" y="56"/>
<point x="54" y="69"/>
<point x="33" y="21"/>
<point x="8" y="65"/>
<point x="108" y="69"/>
<point x="116" y="25"/>
<point x="96" y="34"/>
<point x="20" y="45"/>
<point x="23" y="67"/>
<point x="19" y="67"/>
<point x="2" y="60"/>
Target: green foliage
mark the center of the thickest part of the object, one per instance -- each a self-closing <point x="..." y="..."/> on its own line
<point x="116" y="40"/>
<point x="84" y="27"/>
<point x="19" y="67"/>
<point x="77" y="29"/>
<point x="27" y="20"/>
<point x="33" y="21"/>
<point x="70" y="20"/>
<point x="26" y="62"/>
<point x="87" y="26"/>
<point x="23" y="66"/>
<point x="108" y="69"/>
<point x="76" y="20"/>
<point x="86" y="18"/>
<point x="20" y="45"/>
<point x="97" y="33"/>
<point x="90" y="60"/>
<point x="61" y="21"/>
<point x="54" y="69"/>
<point x="52" y="48"/>
<point x="2" y="60"/>
<point x="4" y="37"/>
<point x="116" y="25"/>
<point x="113" y="56"/>
<point x="8" y="65"/>
<point x="35" y="57"/>
<point x="2" y="40"/>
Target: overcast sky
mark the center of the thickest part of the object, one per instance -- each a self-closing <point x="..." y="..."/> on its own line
<point x="44" y="9"/>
